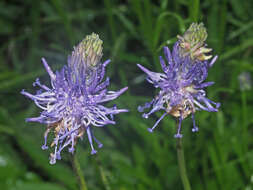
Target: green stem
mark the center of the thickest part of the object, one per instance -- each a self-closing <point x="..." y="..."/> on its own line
<point x="79" y="173"/>
<point x="181" y="163"/>
<point x="244" y="130"/>
<point x="245" y="113"/>
<point x="102" y="173"/>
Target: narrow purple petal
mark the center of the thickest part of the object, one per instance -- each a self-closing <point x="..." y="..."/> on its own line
<point x="48" y="69"/>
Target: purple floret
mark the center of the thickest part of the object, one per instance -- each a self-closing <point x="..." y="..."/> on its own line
<point x="73" y="104"/>
<point x="181" y="87"/>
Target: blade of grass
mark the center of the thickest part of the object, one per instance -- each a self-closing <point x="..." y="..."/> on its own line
<point x="161" y="21"/>
<point x="58" y="4"/>
<point x="193" y="9"/>
<point x="238" y="49"/>
<point x="109" y="13"/>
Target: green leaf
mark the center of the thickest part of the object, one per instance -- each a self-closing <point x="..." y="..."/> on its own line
<point x="37" y="186"/>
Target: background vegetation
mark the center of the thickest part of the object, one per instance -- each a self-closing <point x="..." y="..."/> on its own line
<point x="219" y="156"/>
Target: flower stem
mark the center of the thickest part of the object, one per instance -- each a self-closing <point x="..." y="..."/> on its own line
<point x="244" y="121"/>
<point x="102" y="173"/>
<point x="79" y="173"/>
<point x="181" y="163"/>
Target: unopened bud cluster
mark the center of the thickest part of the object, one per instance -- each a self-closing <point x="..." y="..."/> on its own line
<point x="193" y="42"/>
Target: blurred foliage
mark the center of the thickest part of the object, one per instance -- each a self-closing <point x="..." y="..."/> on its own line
<point x="220" y="156"/>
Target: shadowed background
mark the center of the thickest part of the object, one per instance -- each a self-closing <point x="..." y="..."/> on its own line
<point x="219" y="156"/>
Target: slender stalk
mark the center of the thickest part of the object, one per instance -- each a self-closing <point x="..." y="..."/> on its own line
<point x="245" y="116"/>
<point x="181" y="163"/>
<point x="245" y="142"/>
<point x="79" y="173"/>
<point x="102" y="174"/>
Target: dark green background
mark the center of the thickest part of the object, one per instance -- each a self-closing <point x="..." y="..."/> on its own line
<point x="219" y="156"/>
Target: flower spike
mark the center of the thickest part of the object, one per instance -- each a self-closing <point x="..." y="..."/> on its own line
<point x="182" y="86"/>
<point x="73" y="104"/>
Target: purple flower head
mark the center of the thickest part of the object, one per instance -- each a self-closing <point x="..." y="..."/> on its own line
<point x="73" y="103"/>
<point x="181" y="87"/>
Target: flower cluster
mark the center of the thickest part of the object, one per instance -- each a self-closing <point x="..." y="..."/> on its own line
<point x="73" y="103"/>
<point x="182" y="83"/>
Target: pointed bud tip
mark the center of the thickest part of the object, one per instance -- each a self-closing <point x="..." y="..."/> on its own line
<point x="88" y="52"/>
<point x="193" y="42"/>
<point x="91" y="47"/>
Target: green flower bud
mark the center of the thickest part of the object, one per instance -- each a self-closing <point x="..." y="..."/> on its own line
<point x="195" y="35"/>
<point x="89" y="50"/>
<point x="86" y="57"/>
<point x="193" y="42"/>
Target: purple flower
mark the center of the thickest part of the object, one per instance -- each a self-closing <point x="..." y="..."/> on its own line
<point x="73" y="103"/>
<point x="181" y="85"/>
